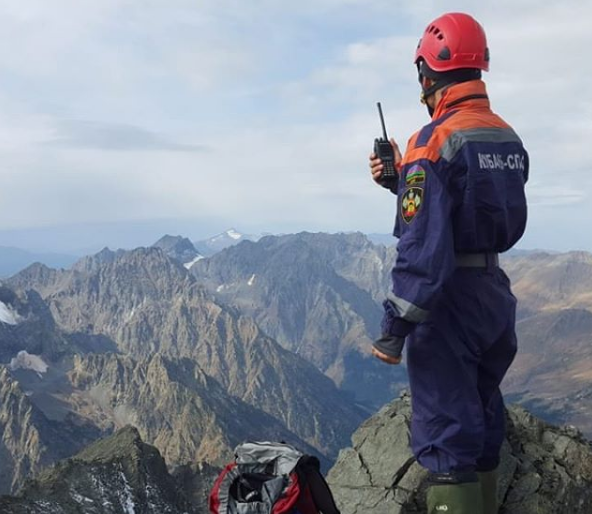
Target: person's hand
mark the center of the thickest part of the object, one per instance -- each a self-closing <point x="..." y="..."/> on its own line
<point x="388" y="349"/>
<point x="376" y="165"/>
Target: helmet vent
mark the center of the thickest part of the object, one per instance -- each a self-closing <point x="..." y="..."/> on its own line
<point x="444" y="54"/>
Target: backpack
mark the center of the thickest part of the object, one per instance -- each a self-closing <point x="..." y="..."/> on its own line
<point x="271" y="478"/>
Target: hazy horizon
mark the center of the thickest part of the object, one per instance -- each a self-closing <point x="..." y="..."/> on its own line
<point x="85" y="239"/>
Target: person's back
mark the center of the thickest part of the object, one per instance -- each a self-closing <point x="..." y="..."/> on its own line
<point x="484" y="164"/>
<point x="460" y="202"/>
<point x="489" y="167"/>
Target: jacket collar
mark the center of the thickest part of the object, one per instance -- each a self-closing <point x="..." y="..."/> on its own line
<point x="466" y="95"/>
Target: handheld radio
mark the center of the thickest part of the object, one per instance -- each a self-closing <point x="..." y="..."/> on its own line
<point x="384" y="151"/>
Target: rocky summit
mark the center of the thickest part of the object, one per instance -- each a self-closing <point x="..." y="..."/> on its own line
<point x="119" y="474"/>
<point x="544" y="469"/>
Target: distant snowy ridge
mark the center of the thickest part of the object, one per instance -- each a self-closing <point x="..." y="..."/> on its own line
<point x="24" y="360"/>
<point x="215" y="244"/>
<point x="229" y="234"/>
<point x="8" y="315"/>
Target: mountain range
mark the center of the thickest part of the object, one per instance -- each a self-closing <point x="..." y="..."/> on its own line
<point x="13" y="260"/>
<point x="266" y="337"/>
<point x="133" y="337"/>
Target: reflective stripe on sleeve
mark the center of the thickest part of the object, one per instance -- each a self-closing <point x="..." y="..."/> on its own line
<point x="407" y="310"/>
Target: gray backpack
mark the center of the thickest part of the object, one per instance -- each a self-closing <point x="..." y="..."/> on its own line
<point x="271" y="478"/>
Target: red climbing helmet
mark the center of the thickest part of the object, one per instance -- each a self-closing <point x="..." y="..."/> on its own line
<point x="453" y="41"/>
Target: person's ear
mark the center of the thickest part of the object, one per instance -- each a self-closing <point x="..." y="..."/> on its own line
<point x="427" y="82"/>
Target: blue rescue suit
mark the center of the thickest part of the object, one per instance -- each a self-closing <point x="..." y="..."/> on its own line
<point x="460" y="202"/>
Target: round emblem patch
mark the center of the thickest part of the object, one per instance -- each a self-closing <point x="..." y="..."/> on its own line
<point x="411" y="203"/>
<point x="415" y="176"/>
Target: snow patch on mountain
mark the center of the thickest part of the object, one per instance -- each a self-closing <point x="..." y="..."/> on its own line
<point x="8" y="315"/>
<point x="24" y="360"/>
<point x="126" y="497"/>
<point x="191" y="263"/>
<point x="233" y="234"/>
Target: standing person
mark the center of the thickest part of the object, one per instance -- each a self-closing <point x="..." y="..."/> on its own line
<point x="460" y="203"/>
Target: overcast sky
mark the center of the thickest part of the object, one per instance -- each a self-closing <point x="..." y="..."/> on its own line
<point x="125" y="118"/>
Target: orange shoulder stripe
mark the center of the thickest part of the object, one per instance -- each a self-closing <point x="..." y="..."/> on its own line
<point x="468" y="120"/>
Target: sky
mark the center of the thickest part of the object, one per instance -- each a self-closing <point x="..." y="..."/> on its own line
<point x="121" y="120"/>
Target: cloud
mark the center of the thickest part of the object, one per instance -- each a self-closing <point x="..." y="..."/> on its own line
<point x="76" y="134"/>
<point x="552" y="195"/>
<point x="102" y="103"/>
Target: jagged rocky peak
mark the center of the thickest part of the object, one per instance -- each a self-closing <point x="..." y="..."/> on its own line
<point x="90" y="263"/>
<point x="544" y="469"/>
<point x="138" y="258"/>
<point x="119" y="474"/>
<point x="125" y="278"/>
<point x="179" y="248"/>
<point x="36" y="271"/>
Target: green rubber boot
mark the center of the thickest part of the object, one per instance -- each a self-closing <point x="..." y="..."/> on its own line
<point x="488" y="482"/>
<point x="455" y="499"/>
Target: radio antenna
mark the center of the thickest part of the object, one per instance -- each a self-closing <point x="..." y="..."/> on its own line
<point x="382" y="121"/>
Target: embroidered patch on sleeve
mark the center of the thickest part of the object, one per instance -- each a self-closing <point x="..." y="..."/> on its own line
<point x="416" y="175"/>
<point x="411" y="203"/>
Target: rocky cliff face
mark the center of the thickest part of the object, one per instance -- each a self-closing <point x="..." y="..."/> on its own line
<point x="317" y="295"/>
<point x="552" y="375"/>
<point x="29" y="440"/>
<point x="30" y="436"/>
<point x="28" y="326"/>
<point x="180" y="409"/>
<point x="544" y="469"/>
<point x="551" y="282"/>
<point x="120" y="474"/>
